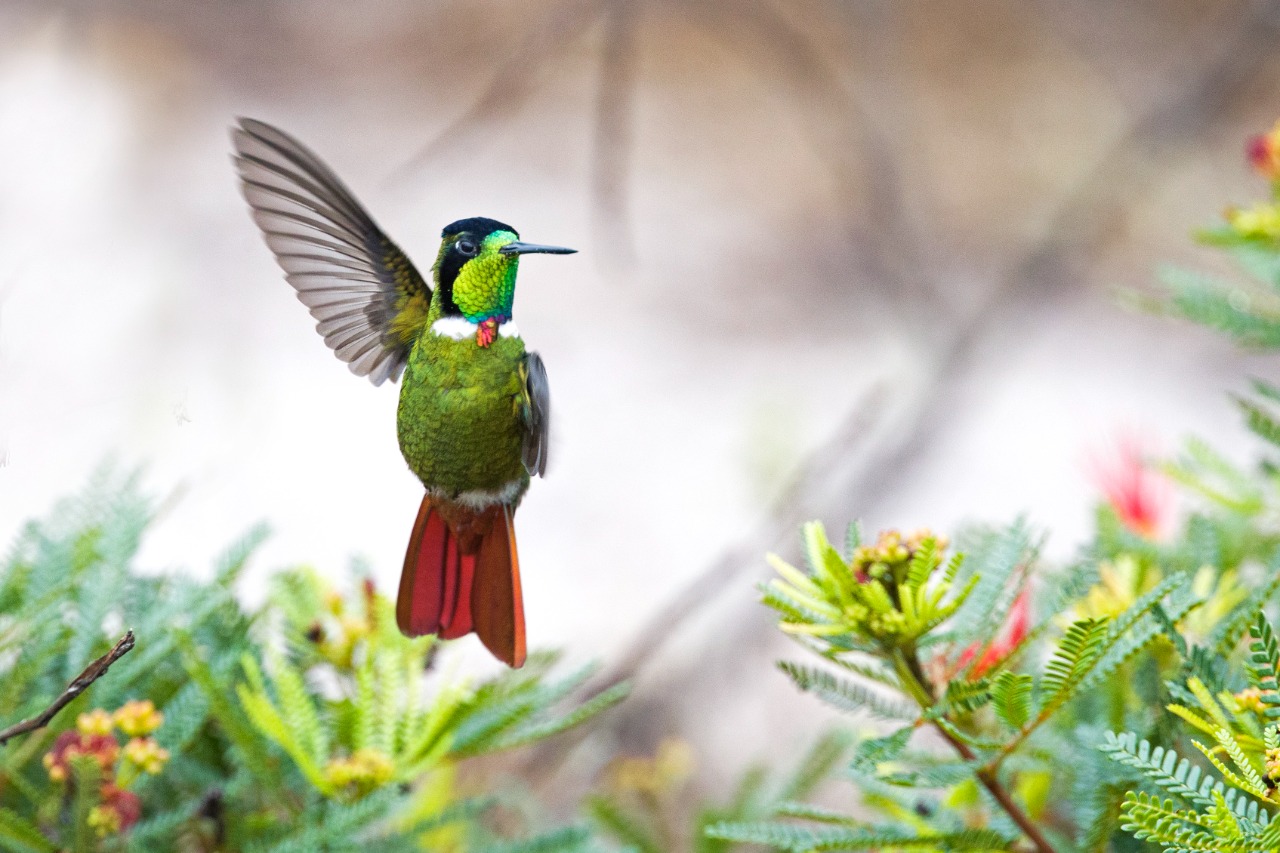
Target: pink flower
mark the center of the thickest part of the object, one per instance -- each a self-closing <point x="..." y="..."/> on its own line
<point x="1016" y="626"/>
<point x="1139" y="494"/>
<point x="1263" y="152"/>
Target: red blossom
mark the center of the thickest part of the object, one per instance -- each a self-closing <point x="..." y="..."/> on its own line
<point x="73" y="743"/>
<point x="1136" y="491"/>
<point x="1016" y="625"/>
<point x="124" y="803"/>
<point x="1263" y="152"/>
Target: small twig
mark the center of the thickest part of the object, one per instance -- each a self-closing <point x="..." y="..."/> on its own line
<point x="909" y="672"/>
<point x="78" y="685"/>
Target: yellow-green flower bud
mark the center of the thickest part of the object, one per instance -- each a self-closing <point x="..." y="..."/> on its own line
<point x="146" y="754"/>
<point x="138" y="718"/>
<point x="95" y="722"/>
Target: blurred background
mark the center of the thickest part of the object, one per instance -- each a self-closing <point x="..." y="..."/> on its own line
<point x="838" y="259"/>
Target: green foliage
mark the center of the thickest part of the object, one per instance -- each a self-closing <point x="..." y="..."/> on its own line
<point x="1141" y="634"/>
<point x="1233" y="811"/>
<point x="307" y="724"/>
<point x="886" y="594"/>
<point x="643" y="804"/>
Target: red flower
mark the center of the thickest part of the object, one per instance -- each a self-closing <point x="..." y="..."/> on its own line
<point x="1137" y="492"/>
<point x="1263" y="151"/>
<point x="1012" y="633"/>
<point x="116" y="812"/>
<point x="72" y="743"/>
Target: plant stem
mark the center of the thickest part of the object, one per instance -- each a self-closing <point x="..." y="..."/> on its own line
<point x="907" y="667"/>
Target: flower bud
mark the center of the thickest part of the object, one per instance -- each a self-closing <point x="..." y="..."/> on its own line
<point x="138" y="718"/>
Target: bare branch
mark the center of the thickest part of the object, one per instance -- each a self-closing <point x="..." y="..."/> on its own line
<point x="611" y="157"/>
<point x="514" y="82"/>
<point x="78" y="685"/>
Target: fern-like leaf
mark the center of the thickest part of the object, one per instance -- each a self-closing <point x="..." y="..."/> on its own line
<point x="847" y="695"/>
<point x="1163" y="767"/>
<point x="1080" y="648"/>
<point x="1011" y="698"/>
<point x="799" y="839"/>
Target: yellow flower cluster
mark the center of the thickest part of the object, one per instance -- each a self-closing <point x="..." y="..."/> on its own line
<point x="1250" y="699"/>
<point x="670" y="766"/>
<point x="1260" y="221"/>
<point x="146" y="754"/>
<point x="1273" y="764"/>
<point x="364" y="770"/>
<point x="138" y="718"/>
<point x="95" y="736"/>
<point x="95" y="722"/>
<point x="891" y="553"/>
<point x="104" y="821"/>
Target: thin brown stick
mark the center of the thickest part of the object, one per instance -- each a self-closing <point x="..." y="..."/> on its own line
<point x="907" y="666"/>
<point x="78" y="685"/>
<point x="1001" y="796"/>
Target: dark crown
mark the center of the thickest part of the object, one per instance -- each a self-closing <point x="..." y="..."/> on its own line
<point x="478" y="226"/>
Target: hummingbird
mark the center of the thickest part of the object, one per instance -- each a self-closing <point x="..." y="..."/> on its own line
<point x="475" y="406"/>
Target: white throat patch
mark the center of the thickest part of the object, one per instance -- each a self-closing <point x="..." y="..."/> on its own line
<point x="460" y="328"/>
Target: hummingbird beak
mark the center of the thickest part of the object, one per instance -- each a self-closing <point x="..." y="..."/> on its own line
<point x="515" y="247"/>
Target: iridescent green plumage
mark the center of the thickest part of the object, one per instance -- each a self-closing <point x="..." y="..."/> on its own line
<point x="459" y="419"/>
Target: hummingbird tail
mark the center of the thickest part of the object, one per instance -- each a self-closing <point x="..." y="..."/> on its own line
<point x="461" y="575"/>
<point x="497" y="603"/>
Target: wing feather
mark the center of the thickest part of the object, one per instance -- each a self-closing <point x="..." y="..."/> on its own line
<point x="536" y="415"/>
<point x="354" y="280"/>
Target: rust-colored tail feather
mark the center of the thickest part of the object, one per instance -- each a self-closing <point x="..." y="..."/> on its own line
<point x="461" y="575"/>
<point x="497" y="605"/>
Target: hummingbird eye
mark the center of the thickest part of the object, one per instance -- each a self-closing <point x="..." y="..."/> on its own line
<point x="467" y="247"/>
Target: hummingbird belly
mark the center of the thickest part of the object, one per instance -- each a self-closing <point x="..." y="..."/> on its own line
<point x="458" y="421"/>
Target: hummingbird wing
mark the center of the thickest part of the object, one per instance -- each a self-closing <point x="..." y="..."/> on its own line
<point x="368" y="299"/>
<point x="535" y="415"/>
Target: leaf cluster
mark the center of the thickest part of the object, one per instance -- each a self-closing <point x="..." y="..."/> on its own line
<point x="305" y="724"/>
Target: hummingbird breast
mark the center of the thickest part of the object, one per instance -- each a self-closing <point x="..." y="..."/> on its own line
<point x="458" y="421"/>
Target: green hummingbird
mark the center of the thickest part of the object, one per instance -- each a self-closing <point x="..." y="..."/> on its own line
<point x="475" y="406"/>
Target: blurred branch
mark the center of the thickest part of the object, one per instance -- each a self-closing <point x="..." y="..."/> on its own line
<point x="869" y="183"/>
<point x="611" y="157"/>
<point x="544" y="36"/>
<point x="78" y="685"/>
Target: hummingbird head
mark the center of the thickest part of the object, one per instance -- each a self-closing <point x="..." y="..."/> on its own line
<point x="475" y="271"/>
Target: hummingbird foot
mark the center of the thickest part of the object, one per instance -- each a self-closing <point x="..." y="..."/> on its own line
<point x="486" y="331"/>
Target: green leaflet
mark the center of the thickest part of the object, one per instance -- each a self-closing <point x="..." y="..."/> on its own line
<point x="786" y="836"/>
<point x="1163" y="767"/>
<point x="19" y="835"/>
<point x="847" y="695"/>
<point x="1079" y="650"/>
<point x="1011" y="698"/>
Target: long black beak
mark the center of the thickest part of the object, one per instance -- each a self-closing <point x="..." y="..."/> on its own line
<point x="518" y="248"/>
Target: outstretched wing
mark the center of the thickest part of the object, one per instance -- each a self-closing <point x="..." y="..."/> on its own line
<point x="535" y="413"/>
<point x="368" y="300"/>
